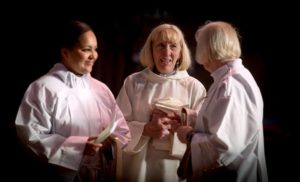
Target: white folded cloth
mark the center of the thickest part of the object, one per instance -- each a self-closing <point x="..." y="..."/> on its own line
<point x="172" y="143"/>
<point x="169" y="104"/>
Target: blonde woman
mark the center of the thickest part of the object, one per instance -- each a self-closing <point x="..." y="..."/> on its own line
<point x="151" y="101"/>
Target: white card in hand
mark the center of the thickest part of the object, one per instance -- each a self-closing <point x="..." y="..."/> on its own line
<point x="107" y="131"/>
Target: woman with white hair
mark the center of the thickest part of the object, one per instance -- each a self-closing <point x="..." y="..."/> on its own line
<point x="227" y="143"/>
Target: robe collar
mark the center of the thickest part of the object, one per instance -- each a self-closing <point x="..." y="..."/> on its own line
<point x="69" y="78"/>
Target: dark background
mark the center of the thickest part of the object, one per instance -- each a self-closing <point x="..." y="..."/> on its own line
<point x="268" y="36"/>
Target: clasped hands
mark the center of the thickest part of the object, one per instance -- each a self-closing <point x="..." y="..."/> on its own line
<point x="161" y="124"/>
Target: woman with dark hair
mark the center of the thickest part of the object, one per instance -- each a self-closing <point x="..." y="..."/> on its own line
<point x="63" y="111"/>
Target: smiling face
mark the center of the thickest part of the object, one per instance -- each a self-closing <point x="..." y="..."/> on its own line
<point x="165" y="55"/>
<point x="166" y="50"/>
<point x="81" y="58"/>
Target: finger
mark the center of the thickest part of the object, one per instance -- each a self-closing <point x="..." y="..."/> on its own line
<point x="167" y="126"/>
<point x="92" y="138"/>
<point x="171" y="114"/>
<point x="174" y="122"/>
<point x="97" y="145"/>
<point x="164" y="133"/>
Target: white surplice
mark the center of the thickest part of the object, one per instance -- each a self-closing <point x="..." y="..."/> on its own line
<point x="58" y="113"/>
<point x="143" y="160"/>
<point x="230" y="125"/>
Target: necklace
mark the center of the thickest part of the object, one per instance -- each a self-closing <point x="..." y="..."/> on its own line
<point x="164" y="74"/>
<point x="167" y="74"/>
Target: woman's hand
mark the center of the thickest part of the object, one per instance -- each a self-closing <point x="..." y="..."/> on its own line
<point x="91" y="148"/>
<point x="174" y="120"/>
<point x="182" y="131"/>
<point x="161" y="124"/>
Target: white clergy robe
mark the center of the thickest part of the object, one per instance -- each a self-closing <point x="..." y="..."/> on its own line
<point x="142" y="160"/>
<point x="230" y="125"/>
<point x="58" y="113"/>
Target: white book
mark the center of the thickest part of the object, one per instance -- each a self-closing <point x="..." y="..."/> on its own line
<point x="107" y="131"/>
<point x="169" y="104"/>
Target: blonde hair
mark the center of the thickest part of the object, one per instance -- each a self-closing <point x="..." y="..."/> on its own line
<point x="217" y="41"/>
<point x="169" y="33"/>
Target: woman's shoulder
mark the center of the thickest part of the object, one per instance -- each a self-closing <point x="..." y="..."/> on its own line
<point x="137" y="75"/>
<point x="54" y="76"/>
<point x="45" y="85"/>
<point x="194" y="81"/>
<point x="99" y="84"/>
<point x="45" y="80"/>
